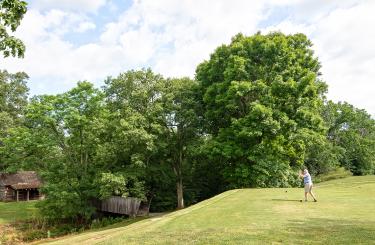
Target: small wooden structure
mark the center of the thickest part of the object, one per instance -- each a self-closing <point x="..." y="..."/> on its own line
<point x="120" y="205"/>
<point x="20" y="186"/>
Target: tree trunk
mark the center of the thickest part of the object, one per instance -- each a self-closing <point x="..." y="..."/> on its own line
<point x="149" y="204"/>
<point x="178" y="170"/>
<point x="180" y="194"/>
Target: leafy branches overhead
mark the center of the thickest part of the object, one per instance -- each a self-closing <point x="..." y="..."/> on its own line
<point x="11" y="14"/>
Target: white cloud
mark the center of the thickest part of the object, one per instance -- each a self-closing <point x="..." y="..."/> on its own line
<point x="289" y="27"/>
<point x="69" y="5"/>
<point x="55" y="64"/>
<point x="85" y="26"/>
<point x="174" y="36"/>
<point x="343" y="41"/>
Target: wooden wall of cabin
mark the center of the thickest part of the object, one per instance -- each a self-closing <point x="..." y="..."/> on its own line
<point x="9" y="194"/>
<point x="2" y="190"/>
<point x="33" y="194"/>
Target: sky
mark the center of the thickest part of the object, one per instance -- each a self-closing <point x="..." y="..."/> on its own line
<point x="75" y="40"/>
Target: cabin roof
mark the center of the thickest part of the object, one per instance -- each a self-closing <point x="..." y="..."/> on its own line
<point x="21" y="180"/>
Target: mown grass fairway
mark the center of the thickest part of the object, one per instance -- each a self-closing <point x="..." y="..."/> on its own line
<point x="16" y="211"/>
<point x="344" y="214"/>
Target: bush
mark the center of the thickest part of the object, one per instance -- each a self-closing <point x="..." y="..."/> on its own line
<point x="338" y="173"/>
<point x="96" y="223"/>
<point x="31" y="235"/>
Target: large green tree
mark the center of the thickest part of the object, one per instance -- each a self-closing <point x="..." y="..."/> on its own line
<point x="154" y="119"/>
<point x="180" y="122"/>
<point x="13" y="101"/>
<point x="13" y="98"/>
<point x="130" y="146"/>
<point x="11" y="14"/>
<point x="353" y="130"/>
<point x="61" y="142"/>
<point x="59" y="138"/>
<point x="85" y="148"/>
<point x="262" y="98"/>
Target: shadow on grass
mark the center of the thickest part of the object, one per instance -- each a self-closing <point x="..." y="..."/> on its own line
<point x="312" y="231"/>
<point x="287" y="200"/>
<point x="337" y="231"/>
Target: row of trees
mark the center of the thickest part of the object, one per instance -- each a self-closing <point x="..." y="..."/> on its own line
<point x="254" y="114"/>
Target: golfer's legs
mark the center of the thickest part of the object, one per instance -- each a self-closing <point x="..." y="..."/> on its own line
<point x="311" y="193"/>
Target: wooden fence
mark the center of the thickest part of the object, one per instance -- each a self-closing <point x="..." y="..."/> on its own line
<point x="121" y="205"/>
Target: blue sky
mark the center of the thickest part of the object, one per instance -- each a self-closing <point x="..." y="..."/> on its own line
<point x="72" y="40"/>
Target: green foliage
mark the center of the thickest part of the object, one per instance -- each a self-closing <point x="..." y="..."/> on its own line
<point x="338" y="173"/>
<point x="321" y="155"/>
<point x="119" y="185"/>
<point x="106" y="221"/>
<point x="11" y="14"/>
<point x="130" y="144"/>
<point x="112" y="184"/>
<point x="155" y="118"/>
<point x="260" y="95"/>
<point x="13" y="100"/>
<point x="352" y="130"/>
<point x="181" y="133"/>
<point x="64" y="129"/>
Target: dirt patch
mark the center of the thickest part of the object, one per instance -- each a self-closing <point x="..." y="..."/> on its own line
<point x="9" y="236"/>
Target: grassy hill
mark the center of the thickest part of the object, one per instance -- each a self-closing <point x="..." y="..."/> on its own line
<point x="344" y="214"/>
<point x="15" y="211"/>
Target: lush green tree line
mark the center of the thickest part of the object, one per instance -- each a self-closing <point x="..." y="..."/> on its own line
<point x="255" y="113"/>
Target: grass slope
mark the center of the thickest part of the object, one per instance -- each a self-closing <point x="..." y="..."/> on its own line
<point x="345" y="214"/>
<point x="16" y="211"/>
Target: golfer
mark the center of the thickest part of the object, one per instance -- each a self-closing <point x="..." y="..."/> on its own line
<point x="308" y="184"/>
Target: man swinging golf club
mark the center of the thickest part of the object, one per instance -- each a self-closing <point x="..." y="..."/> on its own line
<point x="308" y="184"/>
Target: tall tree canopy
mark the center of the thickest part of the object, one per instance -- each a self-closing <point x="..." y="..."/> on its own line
<point x="59" y="139"/>
<point x="352" y="130"/>
<point x="13" y="98"/>
<point x="262" y="99"/>
<point x="180" y="134"/>
<point x="157" y="118"/>
<point x="11" y="14"/>
<point x="13" y="101"/>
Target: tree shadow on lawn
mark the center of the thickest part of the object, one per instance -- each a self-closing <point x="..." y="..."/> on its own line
<point x="336" y="231"/>
<point x="312" y="231"/>
<point x="287" y="200"/>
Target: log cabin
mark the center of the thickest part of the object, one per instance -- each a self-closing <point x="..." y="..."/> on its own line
<point x="20" y="186"/>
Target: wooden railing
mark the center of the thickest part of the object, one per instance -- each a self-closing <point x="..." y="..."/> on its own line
<point x="121" y="205"/>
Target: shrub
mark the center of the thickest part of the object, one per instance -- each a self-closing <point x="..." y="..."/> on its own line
<point x="338" y="173"/>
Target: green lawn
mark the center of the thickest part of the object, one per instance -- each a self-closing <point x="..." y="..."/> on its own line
<point x="16" y="211"/>
<point x="344" y="214"/>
